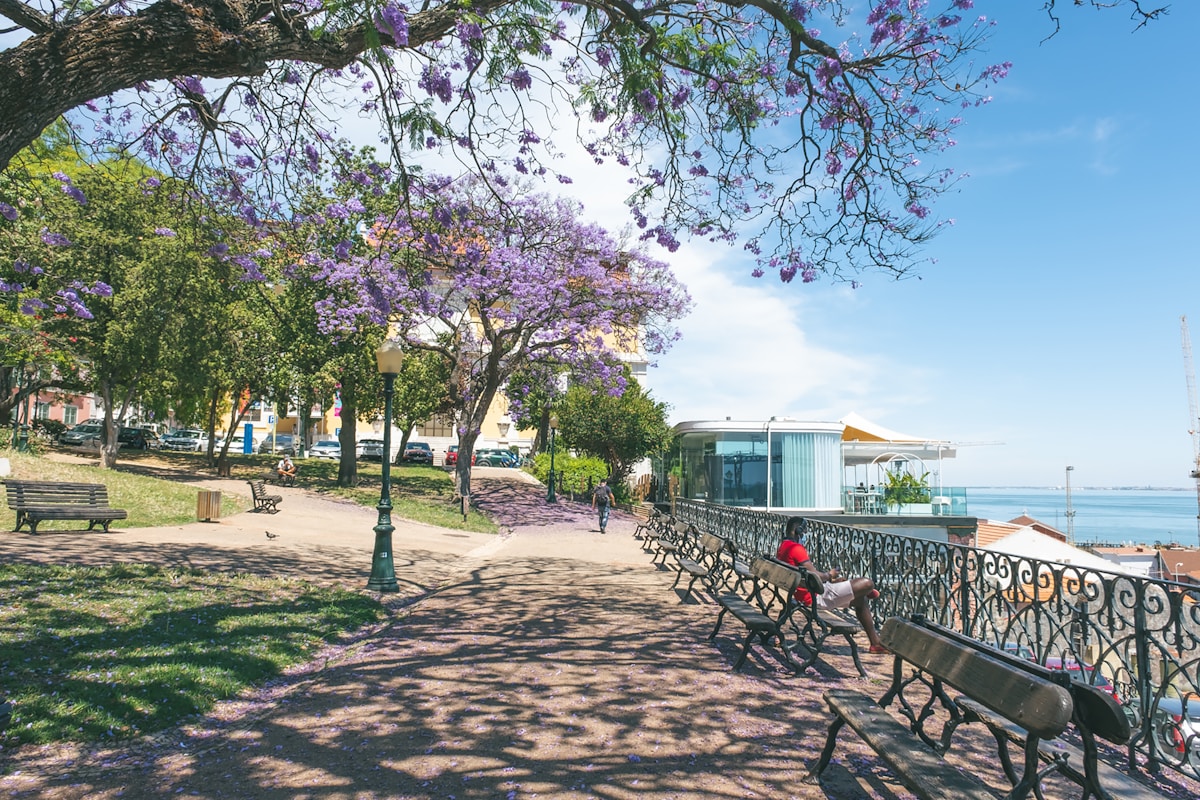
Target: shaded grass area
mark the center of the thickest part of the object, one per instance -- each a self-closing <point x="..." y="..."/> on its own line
<point x="103" y="653"/>
<point x="150" y="501"/>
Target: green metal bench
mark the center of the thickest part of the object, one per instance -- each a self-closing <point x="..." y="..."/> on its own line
<point x="38" y="501"/>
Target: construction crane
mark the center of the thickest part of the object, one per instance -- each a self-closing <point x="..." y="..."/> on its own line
<point x="1194" y="410"/>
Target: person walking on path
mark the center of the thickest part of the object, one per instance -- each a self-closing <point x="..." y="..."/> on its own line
<point x="602" y="498"/>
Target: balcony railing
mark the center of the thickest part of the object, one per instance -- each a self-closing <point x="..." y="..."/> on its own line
<point x="1139" y="638"/>
<point x="944" y="501"/>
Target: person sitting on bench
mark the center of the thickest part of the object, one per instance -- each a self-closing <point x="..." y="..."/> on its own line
<point x="853" y="593"/>
<point x="286" y="470"/>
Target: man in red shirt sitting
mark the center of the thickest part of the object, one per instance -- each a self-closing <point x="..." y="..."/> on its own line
<point x="853" y="593"/>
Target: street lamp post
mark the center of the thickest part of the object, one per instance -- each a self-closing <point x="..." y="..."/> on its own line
<point x="550" y="498"/>
<point x="389" y="357"/>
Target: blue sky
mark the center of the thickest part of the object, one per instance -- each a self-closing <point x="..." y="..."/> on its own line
<point x="1047" y="332"/>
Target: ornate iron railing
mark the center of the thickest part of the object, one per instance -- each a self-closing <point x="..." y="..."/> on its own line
<point x="1139" y="638"/>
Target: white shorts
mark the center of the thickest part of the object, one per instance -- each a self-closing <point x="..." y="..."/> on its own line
<point x="836" y="595"/>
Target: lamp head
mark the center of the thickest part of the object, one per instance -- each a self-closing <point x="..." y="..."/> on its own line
<point x="389" y="357"/>
<point x="553" y="421"/>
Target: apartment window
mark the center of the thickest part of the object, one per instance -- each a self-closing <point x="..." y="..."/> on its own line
<point x="441" y="425"/>
<point x="70" y="415"/>
<point x="42" y="411"/>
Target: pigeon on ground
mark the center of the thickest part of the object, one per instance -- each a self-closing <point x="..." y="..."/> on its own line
<point x="272" y="535"/>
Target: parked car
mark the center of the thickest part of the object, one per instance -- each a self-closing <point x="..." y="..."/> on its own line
<point x="137" y="439"/>
<point x="1085" y="673"/>
<point x="418" y="453"/>
<point x="185" y="439"/>
<point x="281" y="444"/>
<point x="82" y="435"/>
<point x="1178" y="733"/>
<point x="238" y="444"/>
<point x="495" y="457"/>
<point x="370" y="449"/>
<point x="451" y="455"/>
<point x="326" y="448"/>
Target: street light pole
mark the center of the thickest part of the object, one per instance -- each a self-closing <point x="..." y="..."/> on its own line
<point x="389" y="357"/>
<point x="550" y="498"/>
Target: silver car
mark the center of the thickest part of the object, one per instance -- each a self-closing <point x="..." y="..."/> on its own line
<point x="1178" y="733"/>
<point x="326" y="448"/>
<point x="370" y="449"/>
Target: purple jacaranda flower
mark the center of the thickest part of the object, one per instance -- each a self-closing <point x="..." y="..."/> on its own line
<point x="8" y="212"/>
<point x="75" y="193"/>
<point x="192" y="84"/>
<point x="100" y="289"/>
<point x="603" y="56"/>
<point x="391" y="20"/>
<point x="355" y="205"/>
<point x="219" y="250"/>
<point x="167" y="232"/>
<point x="647" y="100"/>
<point x="61" y="176"/>
<point x="337" y="211"/>
<point x="520" y="79"/>
<point x="341" y="250"/>
<point x="5" y="286"/>
<point x="55" y="239"/>
<point x="30" y="306"/>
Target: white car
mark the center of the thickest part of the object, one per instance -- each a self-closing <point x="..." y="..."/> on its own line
<point x="186" y="439"/>
<point x="326" y="448"/>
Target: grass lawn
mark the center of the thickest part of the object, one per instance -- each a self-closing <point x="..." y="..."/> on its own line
<point x="151" y="501"/>
<point x="95" y="654"/>
<point x="153" y="487"/>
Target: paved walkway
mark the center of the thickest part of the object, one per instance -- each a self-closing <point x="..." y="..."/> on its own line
<point x="547" y="662"/>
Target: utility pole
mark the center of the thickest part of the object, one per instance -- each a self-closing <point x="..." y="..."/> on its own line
<point x="1070" y="511"/>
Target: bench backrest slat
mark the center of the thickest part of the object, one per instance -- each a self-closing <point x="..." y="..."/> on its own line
<point x="45" y="493"/>
<point x="1039" y="706"/>
<point x="776" y="574"/>
<point x="711" y="543"/>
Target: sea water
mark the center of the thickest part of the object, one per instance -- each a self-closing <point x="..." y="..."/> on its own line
<point x="1112" y="516"/>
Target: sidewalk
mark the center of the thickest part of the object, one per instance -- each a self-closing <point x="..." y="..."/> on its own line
<point x="547" y="662"/>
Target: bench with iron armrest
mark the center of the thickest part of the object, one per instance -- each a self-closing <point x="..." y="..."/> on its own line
<point x="1097" y="714"/>
<point x="821" y="623"/>
<point x="648" y="527"/>
<point x="674" y="539"/>
<point x="262" y="500"/>
<point x="1042" y="707"/>
<point x="766" y="611"/>
<point x="38" y="501"/>
<point x="707" y="564"/>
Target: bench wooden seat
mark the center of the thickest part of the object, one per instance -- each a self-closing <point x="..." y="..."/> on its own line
<point x="1044" y="708"/>
<point x="37" y="501"/>
<point x="673" y="538"/>
<point x="262" y="500"/>
<point x="767" y="610"/>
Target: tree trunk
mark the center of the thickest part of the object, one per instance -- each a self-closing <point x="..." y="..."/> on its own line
<point x="348" y="464"/>
<point x="108" y="442"/>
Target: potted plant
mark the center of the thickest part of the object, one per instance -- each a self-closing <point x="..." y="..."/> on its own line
<point x="905" y="489"/>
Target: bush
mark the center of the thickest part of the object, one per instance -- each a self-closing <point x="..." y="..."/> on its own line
<point x="579" y="474"/>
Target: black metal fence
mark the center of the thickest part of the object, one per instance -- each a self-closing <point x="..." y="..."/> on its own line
<point x="1138" y="638"/>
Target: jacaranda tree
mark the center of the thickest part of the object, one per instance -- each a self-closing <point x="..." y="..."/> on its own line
<point x="496" y="283"/>
<point x="804" y="128"/>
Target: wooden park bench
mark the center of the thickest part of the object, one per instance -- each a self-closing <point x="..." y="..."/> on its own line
<point x="821" y="623"/>
<point x="766" y="612"/>
<point x="37" y="501"/>
<point x="1042" y="707"/>
<point x="262" y="500"/>
<point x="1097" y="715"/>
<point x="704" y="564"/>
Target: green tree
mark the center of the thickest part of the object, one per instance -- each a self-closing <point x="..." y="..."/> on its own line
<point x="621" y="429"/>
<point x="124" y="272"/>
<point x="422" y="391"/>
